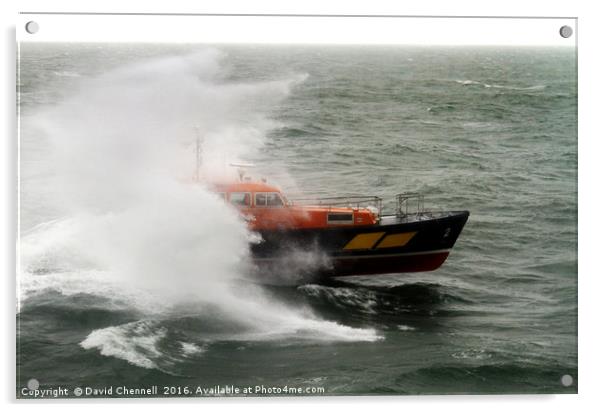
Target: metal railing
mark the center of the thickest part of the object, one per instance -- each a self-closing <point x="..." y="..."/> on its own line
<point x="410" y="204"/>
<point x="407" y="205"/>
<point x="354" y="202"/>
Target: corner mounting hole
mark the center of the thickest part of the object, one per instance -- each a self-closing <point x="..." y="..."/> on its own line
<point x="566" y="380"/>
<point x="32" y="27"/>
<point x="566" y="31"/>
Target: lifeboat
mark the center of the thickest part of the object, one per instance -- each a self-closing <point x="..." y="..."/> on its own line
<point x="342" y="236"/>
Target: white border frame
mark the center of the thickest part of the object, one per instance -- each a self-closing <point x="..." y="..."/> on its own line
<point x="590" y="31"/>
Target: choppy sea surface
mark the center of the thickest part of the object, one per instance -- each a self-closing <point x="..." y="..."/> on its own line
<point x="489" y="130"/>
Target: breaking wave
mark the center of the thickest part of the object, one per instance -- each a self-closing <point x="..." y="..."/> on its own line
<point x="126" y="224"/>
<point x="499" y="86"/>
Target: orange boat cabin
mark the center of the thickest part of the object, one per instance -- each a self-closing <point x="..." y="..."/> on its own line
<point x="266" y="208"/>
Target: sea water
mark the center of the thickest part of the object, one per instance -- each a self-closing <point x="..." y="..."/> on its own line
<point x="130" y="277"/>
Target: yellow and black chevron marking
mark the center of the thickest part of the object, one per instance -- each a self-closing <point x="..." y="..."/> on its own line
<point x="396" y="240"/>
<point x="363" y="241"/>
<point x="369" y="240"/>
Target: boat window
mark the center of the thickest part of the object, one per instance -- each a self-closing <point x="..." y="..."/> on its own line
<point x="240" y="198"/>
<point x="269" y="199"/>
<point x="260" y="199"/>
<point x="340" y="218"/>
<point x="274" y="200"/>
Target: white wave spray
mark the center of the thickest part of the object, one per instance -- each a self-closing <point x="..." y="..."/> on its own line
<point x="131" y="229"/>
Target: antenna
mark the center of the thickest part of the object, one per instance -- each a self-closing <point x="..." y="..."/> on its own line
<point x="241" y="169"/>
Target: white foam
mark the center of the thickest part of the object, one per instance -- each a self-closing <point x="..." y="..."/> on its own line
<point x="190" y="349"/>
<point x="498" y="86"/>
<point x="118" y="294"/>
<point x="467" y="82"/>
<point x="472" y="354"/>
<point x="277" y="321"/>
<point x="134" y="342"/>
<point x="138" y="342"/>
